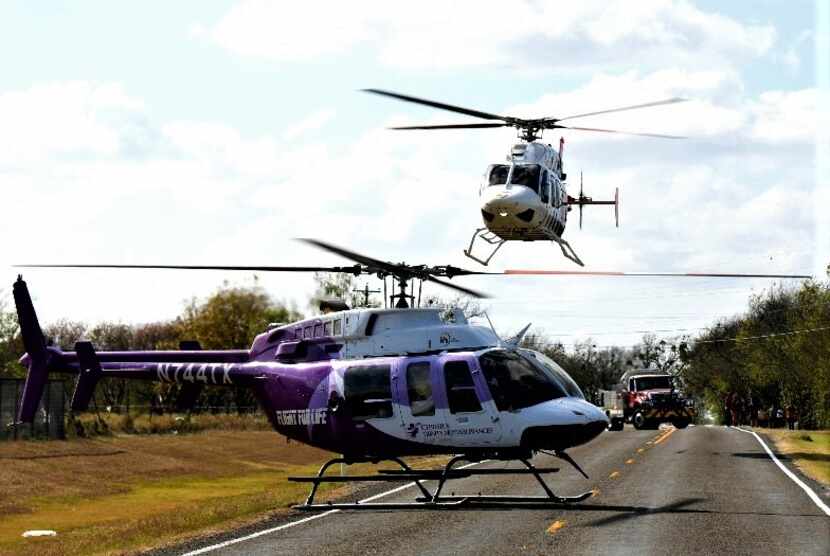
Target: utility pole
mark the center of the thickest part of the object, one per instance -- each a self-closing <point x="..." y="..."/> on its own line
<point x="365" y="292"/>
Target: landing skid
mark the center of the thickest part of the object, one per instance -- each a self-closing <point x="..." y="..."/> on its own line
<point x="434" y="500"/>
<point x="566" y="248"/>
<point x="489" y="237"/>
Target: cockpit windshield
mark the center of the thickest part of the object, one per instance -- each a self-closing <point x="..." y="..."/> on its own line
<point x="555" y="371"/>
<point x="527" y="175"/>
<point x="516" y="383"/>
<point x="523" y="174"/>
<point x="498" y="174"/>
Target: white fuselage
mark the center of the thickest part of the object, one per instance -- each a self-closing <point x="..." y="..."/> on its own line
<point x="525" y="198"/>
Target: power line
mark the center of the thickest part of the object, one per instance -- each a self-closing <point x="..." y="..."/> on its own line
<point x="763" y="336"/>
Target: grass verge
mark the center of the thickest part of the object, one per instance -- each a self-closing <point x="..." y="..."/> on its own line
<point x="89" y="425"/>
<point x="808" y="450"/>
<point x="121" y="494"/>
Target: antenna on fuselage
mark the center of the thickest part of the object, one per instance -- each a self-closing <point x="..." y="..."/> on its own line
<point x="365" y="292"/>
<point x="493" y="328"/>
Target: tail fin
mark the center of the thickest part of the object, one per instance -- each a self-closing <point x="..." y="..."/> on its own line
<point x="35" y="347"/>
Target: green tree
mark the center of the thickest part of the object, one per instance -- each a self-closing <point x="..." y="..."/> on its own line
<point x="232" y="317"/>
<point x="338" y="285"/>
<point x="229" y="319"/>
<point x="776" y="355"/>
<point x="469" y="306"/>
<point x="11" y="345"/>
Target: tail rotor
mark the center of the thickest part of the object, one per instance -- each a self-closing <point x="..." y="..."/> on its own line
<point x="581" y="198"/>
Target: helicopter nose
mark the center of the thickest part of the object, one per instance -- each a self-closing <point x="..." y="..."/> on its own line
<point x="590" y="414"/>
<point x="574" y="422"/>
<point x="508" y="201"/>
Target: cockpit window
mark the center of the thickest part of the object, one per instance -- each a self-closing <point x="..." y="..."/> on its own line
<point x="527" y="175"/>
<point x="516" y="383"/>
<point x="555" y="371"/>
<point x="498" y="174"/>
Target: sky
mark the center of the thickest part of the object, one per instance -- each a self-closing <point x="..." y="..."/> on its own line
<point x="214" y="132"/>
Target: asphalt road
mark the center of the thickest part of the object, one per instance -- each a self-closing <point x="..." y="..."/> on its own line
<point x="702" y="490"/>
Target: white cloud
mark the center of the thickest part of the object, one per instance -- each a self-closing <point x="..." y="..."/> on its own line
<point x="313" y="122"/>
<point x="290" y="31"/>
<point x="785" y="116"/>
<point x="521" y="34"/>
<point x="75" y="118"/>
<point x="790" y="56"/>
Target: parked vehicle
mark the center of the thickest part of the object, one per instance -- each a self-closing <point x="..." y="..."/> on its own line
<point x="646" y="398"/>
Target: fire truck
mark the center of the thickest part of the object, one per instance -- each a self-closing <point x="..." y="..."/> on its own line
<point x="646" y="398"/>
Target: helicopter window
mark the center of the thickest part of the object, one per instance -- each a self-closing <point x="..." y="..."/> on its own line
<point x="318" y="330"/>
<point x="327" y="328"/>
<point x="308" y="332"/>
<point x="556" y="372"/>
<point x="368" y="392"/>
<point x="298" y="333"/>
<point x="516" y="383"/>
<point x="337" y="327"/>
<point x="498" y="174"/>
<point x="544" y="187"/>
<point x="555" y="192"/>
<point x="419" y="389"/>
<point x="527" y="175"/>
<point x="461" y="392"/>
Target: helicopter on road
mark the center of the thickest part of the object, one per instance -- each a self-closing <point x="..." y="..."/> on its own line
<point x="525" y="199"/>
<point x="370" y="384"/>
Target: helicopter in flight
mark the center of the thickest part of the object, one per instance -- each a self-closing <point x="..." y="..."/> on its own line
<point x="375" y="384"/>
<point x="525" y="198"/>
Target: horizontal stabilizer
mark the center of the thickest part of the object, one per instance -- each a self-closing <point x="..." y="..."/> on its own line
<point x="35" y="347"/>
<point x="90" y="374"/>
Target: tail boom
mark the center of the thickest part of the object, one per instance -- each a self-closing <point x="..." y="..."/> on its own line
<point x="193" y="366"/>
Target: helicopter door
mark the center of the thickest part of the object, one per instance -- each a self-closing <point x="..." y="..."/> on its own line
<point x="416" y="386"/>
<point x="472" y="417"/>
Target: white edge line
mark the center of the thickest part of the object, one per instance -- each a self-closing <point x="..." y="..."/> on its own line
<point x="230" y="542"/>
<point x="257" y="534"/>
<point x="813" y="496"/>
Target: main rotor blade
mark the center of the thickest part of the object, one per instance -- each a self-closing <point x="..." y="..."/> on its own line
<point x="654" y="274"/>
<point x="374" y="264"/>
<point x="349" y="269"/>
<point x="623" y="108"/>
<point x="467" y="291"/>
<point x="660" y="135"/>
<point x="451" y="126"/>
<point x="434" y="104"/>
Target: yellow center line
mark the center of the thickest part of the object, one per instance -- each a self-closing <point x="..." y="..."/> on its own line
<point x="665" y="436"/>
<point x="640" y="450"/>
<point x="629" y="461"/>
<point x="614" y="475"/>
<point x="595" y="492"/>
<point x="556" y="526"/>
